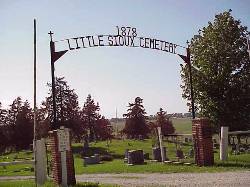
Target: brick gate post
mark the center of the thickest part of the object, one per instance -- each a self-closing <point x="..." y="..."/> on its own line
<point x="203" y="144"/>
<point x="56" y="147"/>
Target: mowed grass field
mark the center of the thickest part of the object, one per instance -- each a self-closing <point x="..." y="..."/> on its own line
<point x="182" y="125"/>
<point x="117" y="148"/>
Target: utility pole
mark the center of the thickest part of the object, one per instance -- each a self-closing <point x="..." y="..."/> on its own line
<point x="116" y="121"/>
<point x="35" y="109"/>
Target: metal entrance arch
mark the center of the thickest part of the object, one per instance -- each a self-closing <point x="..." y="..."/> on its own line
<point x="125" y="37"/>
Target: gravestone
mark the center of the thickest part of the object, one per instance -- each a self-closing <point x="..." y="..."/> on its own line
<point x="163" y="152"/>
<point x="140" y="137"/>
<point x="179" y="154"/>
<point x="191" y="153"/>
<point x="156" y="152"/>
<point x="224" y="143"/>
<point x="126" y="153"/>
<point x="146" y="156"/>
<point x="92" y="160"/>
<point x="126" y="156"/>
<point x="186" y="140"/>
<point x="41" y="172"/>
<point x="135" y="157"/>
<point x="85" y="143"/>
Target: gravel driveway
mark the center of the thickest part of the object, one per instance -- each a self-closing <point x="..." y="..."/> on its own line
<point x="241" y="178"/>
<point x="174" y="179"/>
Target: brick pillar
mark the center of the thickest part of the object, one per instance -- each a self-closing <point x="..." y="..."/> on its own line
<point x="56" y="160"/>
<point x="55" y="157"/>
<point x="203" y="145"/>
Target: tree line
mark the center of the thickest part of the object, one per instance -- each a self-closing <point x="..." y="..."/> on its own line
<point x="86" y="123"/>
<point x="17" y="126"/>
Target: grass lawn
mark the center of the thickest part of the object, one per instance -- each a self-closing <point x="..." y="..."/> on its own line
<point x="31" y="183"/>
<point x="117" y="149"/>
<point x="20" y="169"/>
<point x="20" y="155"/>
<point x="118" y="166"/>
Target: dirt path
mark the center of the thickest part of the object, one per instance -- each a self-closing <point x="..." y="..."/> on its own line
<point x="161" y="180"/>
<point x="175" y="179"/>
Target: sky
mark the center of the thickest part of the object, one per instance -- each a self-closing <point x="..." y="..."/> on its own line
<point x="114" y="76"/>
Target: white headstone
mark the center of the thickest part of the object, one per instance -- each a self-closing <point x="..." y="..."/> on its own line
<point x="64" y="145"/>
<point x="41" y="172"/>
<point x="161" y="146"/>
<point x="224" y="143"/>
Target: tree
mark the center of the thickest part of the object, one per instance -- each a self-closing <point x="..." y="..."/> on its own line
<point x="3" y="113"/>
<point x="19" y="125"/>
<point x="136" y="120"/>
<point x="104" y="130"/>
<point x="11" y="119"/>
<point x="23" y="129"/>
<point x="90" y="116"/>
<point x="67" y="109"/>
<point x="4" y="138"/>
<point x="221" y="73"/>
<point x="164" y="122"/>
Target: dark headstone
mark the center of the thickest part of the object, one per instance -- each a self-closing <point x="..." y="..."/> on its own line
<point x="135" y="157"/>
<point x="191" y="153"/>
<point x="92" y="160"/>
<point x="157" y="153"/>
<point x="216" y="146"/>
<point x="179" y="154"/>
<point x="140" y="137"/>
<point x="146" y="156"/>
<point x="126" y="154"/>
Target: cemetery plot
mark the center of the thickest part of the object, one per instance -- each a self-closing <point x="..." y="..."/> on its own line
<point x="115" y="154"/>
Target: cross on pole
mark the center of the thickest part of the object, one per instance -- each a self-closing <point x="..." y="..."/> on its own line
<point x="50" y="34"/>
<point x="52" y="53"/>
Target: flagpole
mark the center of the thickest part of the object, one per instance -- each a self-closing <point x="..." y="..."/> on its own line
<point x="35" y="108"/>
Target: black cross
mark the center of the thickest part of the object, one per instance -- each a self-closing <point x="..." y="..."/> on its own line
<point x="50" y="33"/>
